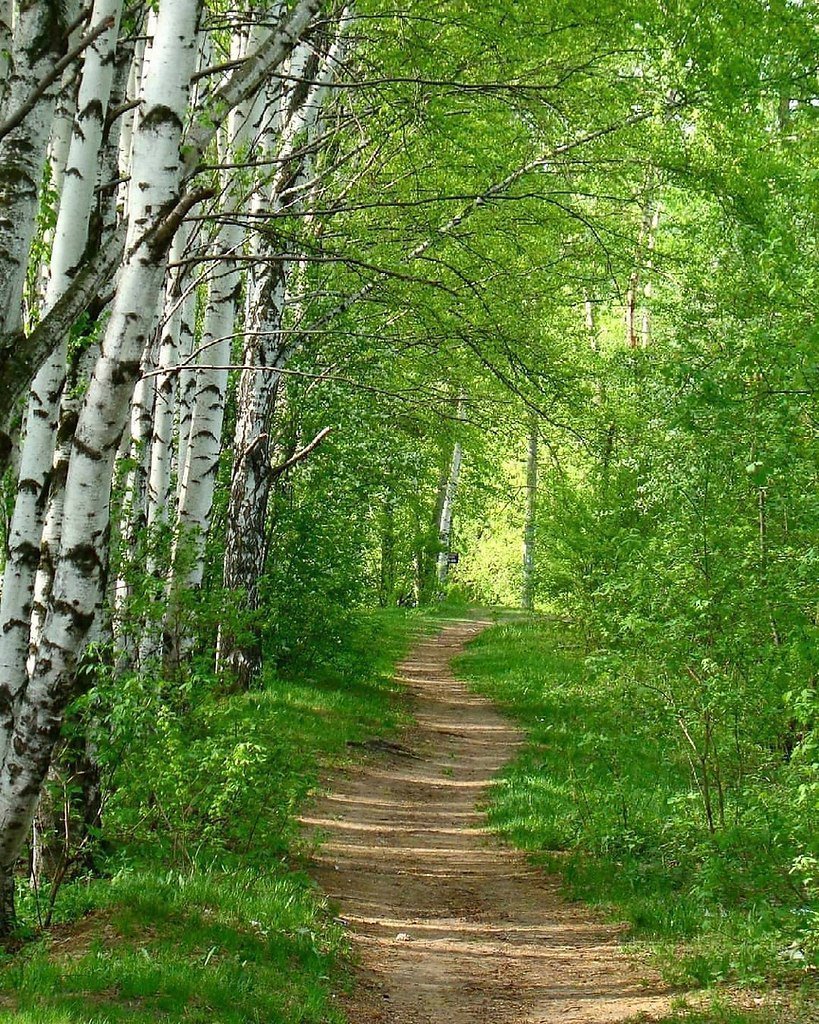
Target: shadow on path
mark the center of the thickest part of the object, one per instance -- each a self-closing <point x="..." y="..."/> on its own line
<point x="450" y="926"/>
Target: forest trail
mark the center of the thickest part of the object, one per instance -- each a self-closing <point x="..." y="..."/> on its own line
<point x="450" y="926"/>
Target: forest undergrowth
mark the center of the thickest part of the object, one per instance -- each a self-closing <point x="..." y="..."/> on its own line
<point x="201" y="911"/>
<point x="605" y="795"/>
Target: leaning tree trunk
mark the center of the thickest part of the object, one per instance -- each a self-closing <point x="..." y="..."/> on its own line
<point x="528" y="596"/>
<point x="79" y="578"/>
<point x="154" y="216"/>
<point x="36" y="480"/>
<point x="39" y="41"/>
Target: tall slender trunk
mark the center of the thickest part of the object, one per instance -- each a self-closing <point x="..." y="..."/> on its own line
<point x="386" y="587"/>
<point x="648" y="287"/>
<point x="59" y="142"/>
<point x="638" y="335"/>
<point x="265" y="352"/>
<point x="107" y="213"/>
<point x="36" y="480"/>
<point x="160" y="455"/>
<point x="159" y="476"/>
<point x="6" y="19"/>
<point x="528" y="597"/>
<point x="53" y="525"/>
<point x="79" y="579"/>
<point x="133" y="510"/>
<point x="447" y="511"/>
<point x="186" y="384"/>
<point x="39" y="41"/>
<point x="204" y="445"/>
<point x="591" y="323"/>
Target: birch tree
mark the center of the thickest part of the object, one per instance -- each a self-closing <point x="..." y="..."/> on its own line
<point x="39" y="41"/>
<point x="267" y="347"/>
<point x="35" y="473"/>
<point x="176" y="314"/>
<point x="528" y="595"/>
<point x="6" y="21"/>
<point x="447" y="512"/>
<point x="78" y="583"/>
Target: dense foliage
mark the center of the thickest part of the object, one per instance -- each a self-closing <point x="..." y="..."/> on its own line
<point x="408" y="291"/>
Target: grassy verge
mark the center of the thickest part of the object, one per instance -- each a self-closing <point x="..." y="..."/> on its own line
<point x="603" y="794"/>
<point x="203" y="915"/>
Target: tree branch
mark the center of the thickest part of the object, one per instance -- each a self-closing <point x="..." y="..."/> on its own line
<point x="249" y="78"/>
<point x="53" y="76"/>
<point x="303" y="453"/>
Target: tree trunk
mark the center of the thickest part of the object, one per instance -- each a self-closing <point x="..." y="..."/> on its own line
<point x="6" y="19"/>
<point x="386" y="587"/>
<point x="38" y="446"/>
<point x="648" y="287"/>
<point x="528" y="597"/>
<point x="204" y="446"/>
<point x="267" y="349"/>
<point x="79" y="578"/>
<point x="638" y="337"/>
<point x="447" y="510"/>
<point x="52" y="528"/>
<point x="39" y="41"/>
<point x="159" y="476"/>
<point x="160" y="455"/>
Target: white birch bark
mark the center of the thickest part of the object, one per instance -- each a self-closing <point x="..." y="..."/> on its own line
<point x="59" y="141"/>
<point x="58" y="145"/>
<point x="154" y="216"/>
<point x="528" y="596"/>
<point x="79" y="577"/>
<point x="186" y="384"/>
<point x="648" y="287"/>
<point x="126" y="134"/>
<point x="208" y="408"/>
<point x="242" y="86"/>
<point x="80" y="179"/>
<point x="52" y="528"/>
<point x="6" y="20"/>
<point x="204" y="444"/>
<point x="159" y="476"/>
<point x="108" y="213"/>
<point x="38" y="446"/>
<point x="264" y="352"/>
<point x="447" y="511"/>
<point x="39" y="41"/>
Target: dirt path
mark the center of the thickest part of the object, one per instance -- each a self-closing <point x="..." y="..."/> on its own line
<point x="450" y="926"/>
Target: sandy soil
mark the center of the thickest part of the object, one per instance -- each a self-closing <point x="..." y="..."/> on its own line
<point x="450" y="926"/>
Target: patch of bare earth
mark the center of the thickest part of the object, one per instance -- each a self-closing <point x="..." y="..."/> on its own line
<point x="450" y="926"/>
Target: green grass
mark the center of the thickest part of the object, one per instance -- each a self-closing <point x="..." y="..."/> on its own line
<point x="206" y="916"/>
<point x="201" y="946"/>
<point x="603" y="795"/>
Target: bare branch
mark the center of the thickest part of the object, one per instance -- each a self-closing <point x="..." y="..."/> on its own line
<point x="17" y="118"/>
<point x="301" y="455"/>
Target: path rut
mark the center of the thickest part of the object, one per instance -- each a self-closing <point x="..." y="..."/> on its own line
<point x="450" y="926"/>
